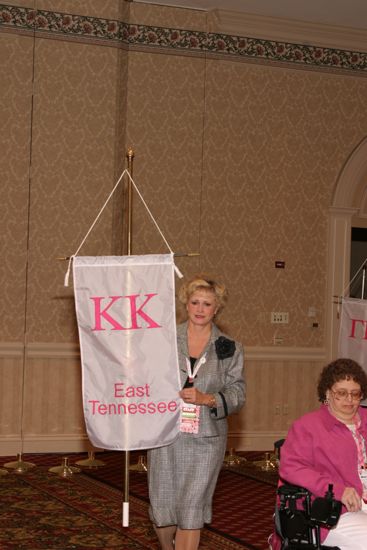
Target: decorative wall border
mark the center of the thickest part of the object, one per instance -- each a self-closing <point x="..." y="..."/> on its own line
<point x="119" y="33"/>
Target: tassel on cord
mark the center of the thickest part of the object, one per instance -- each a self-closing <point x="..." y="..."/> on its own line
<point x="178" y="272"/>
<point x="67" y="274"/>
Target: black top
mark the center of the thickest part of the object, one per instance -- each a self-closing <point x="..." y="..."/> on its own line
<point x="189" y="384"/>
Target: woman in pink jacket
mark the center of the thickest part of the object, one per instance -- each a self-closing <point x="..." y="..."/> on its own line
<point x="328" y="446"/>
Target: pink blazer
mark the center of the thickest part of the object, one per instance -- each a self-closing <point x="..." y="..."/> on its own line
<point x="319" y="450"/>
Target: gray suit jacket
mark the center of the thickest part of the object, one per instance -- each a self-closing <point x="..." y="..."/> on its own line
<point x="221" y="377"/>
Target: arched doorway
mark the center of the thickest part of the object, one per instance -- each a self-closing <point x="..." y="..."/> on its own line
<point x="349" y="207"/>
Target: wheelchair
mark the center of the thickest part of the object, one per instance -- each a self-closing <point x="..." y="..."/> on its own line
<point x="298" y="519"/>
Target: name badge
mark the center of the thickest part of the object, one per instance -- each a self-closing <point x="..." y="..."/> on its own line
<point x="190" y="418"/>
<point x="363" y="477"/>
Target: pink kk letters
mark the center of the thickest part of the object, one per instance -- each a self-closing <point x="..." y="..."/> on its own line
<point x="355" y="323"/>
<point x="115" y="310"/>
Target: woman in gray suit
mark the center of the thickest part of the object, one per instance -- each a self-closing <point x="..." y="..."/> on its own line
<point x="183" y="475"/>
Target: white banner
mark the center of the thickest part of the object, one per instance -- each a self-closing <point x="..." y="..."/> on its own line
<point x="125" y="308"/>
<point x="353" y="331"/>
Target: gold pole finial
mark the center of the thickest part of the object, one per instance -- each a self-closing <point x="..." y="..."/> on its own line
<point x="130" y="153"/>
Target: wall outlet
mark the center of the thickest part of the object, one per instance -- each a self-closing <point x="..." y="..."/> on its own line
<point x="279" y="318"/>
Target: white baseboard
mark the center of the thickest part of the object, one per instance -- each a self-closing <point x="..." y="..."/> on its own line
<point x="45" y="444"/>
<point x="12" y="446"/>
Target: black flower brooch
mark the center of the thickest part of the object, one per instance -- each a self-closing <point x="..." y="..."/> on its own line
<point x="224" y="347"/>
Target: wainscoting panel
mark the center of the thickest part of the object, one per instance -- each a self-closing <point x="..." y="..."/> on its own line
<point x="41" y="408"/>
<point x="52" y="404"/>
<point x="11" y="384"/>
<point x="281" y="386"/>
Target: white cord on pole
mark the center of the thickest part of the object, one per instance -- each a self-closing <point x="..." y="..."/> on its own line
<point x="126" y="171"/>
<point x="149" y="212"/>
<point x="355" y="276"/>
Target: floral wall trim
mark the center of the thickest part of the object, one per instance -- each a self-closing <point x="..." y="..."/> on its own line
<point x="119" y="33"/>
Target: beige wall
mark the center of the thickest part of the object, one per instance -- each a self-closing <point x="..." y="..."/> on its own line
<point x="238" y="160"/>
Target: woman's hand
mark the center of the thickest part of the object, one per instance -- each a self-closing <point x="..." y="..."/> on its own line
<point x="351" y="499"/>
<point x="196" y="397"/>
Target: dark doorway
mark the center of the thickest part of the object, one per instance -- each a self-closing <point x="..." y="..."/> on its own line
<point x="358" y="263"/>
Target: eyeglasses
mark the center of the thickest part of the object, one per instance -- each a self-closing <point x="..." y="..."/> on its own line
<point x="356" y="395"/>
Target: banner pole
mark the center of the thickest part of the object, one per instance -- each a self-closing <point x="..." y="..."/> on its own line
<point x="129" y="222"/>
<point x="130" y="160"/>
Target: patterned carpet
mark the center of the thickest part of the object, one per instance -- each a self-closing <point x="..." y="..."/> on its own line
<point x="41" y="510"/>
<point x="243" y="503"/>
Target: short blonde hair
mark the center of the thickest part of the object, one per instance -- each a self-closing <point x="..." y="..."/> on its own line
<point x="203" y="282"/>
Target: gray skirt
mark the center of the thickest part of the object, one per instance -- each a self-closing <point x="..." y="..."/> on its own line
<point x="182" y="478"/>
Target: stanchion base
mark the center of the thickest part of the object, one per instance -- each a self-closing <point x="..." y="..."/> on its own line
<point x="269" y="464"/>
<point x="91" y="461"/>
<point x="141" y="465"/>
<point x="19" y="466"/>
<point x="231" y="459"/>
<point x="64" y="470"/>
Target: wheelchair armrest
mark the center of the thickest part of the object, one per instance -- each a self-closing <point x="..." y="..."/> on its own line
<point x="293" y="491"/>
<point x="298" y="514"/>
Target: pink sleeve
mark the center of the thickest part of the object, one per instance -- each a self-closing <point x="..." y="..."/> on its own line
<point x="299" y="466"/>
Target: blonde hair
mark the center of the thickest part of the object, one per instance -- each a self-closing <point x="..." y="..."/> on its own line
<point x="203" y="282"/>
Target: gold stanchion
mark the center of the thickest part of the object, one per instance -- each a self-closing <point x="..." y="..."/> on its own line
<point x="268" y="464"/>
<point x="64" y="470"/>
<point x="231" y="459"/>
<point x="140" y="466"/>
<point x="271" y="460"/>
<point x="91" y="461"/>
<point x="19" y="466"/>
